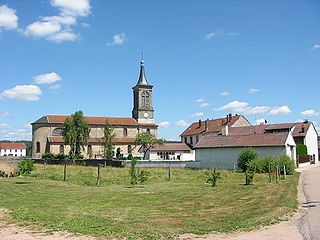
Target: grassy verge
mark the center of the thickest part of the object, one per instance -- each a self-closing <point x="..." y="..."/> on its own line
<point x="158" y="209"/>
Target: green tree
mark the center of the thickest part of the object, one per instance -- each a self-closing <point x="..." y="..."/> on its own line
<point x="147" y="141"/>
<point x="245" y="156"/>
<point x="76" y="132"/>
<point x="302" y="150"/>
<point x="107" y="140"/>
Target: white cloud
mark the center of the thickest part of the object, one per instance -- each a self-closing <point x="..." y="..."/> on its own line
<point x="260" y="121"/>
<point x="233" y="33"/>
<point x="209" y="36"/>
<point x="225" y="94"/>
<point x="27" y="126"/>
<point x="310" y="113"/>
<point x="42" y="29"/>
<point x="58" y="28"/>
<point x="20" y="134"/>
<point x="256" y="110"/>
<point x="5" y="114"/>
<point x="235" y="106"/>
<point x="204" y="105"/>
<point x="47" y="78"/>
<point x="8" y="18"/>
<point x="316" y="46"/>
<point x="4" y="125"/>
<point x="197" y="114"/>
<point x="87" y="25"/>
<point x="164" y="124"/>
<point x="63" y="36"/>
<point x="72" y="7"/>
<point x="182" y="123"/>
<point x="55" y="87"/>
<point x="254" y="90"/>
<point x="280" y="110"/>
<point x="299" y="120"/>
<point x="22" y="92"/>
<point x="199" y="100"/>
<point x="117" y="39"/>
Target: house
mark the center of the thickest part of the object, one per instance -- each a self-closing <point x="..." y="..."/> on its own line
<point x="222" y="150"/>
<point x="197" y="130"/>
<point x="13" y="149"/>
<point x="302" y="132"/>
<point x="47" y="130"/>
<point x="171" y="151"/>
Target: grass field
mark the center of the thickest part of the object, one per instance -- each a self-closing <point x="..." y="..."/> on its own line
<point x="159" y="209"/>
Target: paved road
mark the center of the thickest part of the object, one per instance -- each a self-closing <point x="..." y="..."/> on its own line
<point x="309" y="223"/>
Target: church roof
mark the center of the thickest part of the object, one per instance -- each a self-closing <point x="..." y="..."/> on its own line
<point x="122" y="121"/>
<point x="142" y="81"/>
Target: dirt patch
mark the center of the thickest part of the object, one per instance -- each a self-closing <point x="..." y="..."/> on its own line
<point x="144" y="192"/>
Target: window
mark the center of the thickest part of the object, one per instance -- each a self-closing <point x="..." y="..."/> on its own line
<point x="16" y="150"/>
<point x="129" y="149"/>
<point x="185" y="140"/>
<point x="145" y="99"/>
<point x="148" y="130"/>
<point x="38" y="147"/>
<point x="197" y="139"/>
<point x="20" y="150"/>
<point x="191" y="140"/>
<point x="61" y="149"/>
<point x="125" y="132"/>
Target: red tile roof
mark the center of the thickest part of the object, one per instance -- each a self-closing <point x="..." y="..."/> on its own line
<point x="59" y="119"/>
<point x="12" y="145"/>
<point x="251" y="140"/>
<point x="213" y="125"/>
<point x="172" y="147"/>
<point x="59" y="139"/>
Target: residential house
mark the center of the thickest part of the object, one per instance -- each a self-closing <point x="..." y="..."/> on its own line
<point x="13" y="149"/>
<point x="171" y="151"/>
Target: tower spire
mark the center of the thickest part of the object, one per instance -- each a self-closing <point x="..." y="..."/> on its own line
<point x="142" y="77"/>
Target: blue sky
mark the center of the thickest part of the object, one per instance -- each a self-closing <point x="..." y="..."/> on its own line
<point x="205" y="59"/>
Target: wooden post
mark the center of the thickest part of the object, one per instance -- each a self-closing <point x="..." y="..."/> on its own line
<point x="98" y="178"/>
<point x="44" y="170"/>
<point x="234" y="166"/>
<point x="284" y="172"/>
<point x="269" y="169"/>
<point x="169" y="171"/>
<point x="65" y="172"/>
<point x="105" y="163"/>
<point x="277" y="173"/>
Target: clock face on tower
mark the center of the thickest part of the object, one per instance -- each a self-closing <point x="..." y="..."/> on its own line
<point x="146" y="115"/>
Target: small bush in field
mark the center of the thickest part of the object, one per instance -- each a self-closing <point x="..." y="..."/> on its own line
<point x="285" y="160"/>
<point x="143" y="176"/>
<point x="245" y="156"/>
<point x="213" y="177"/>
<point x="25" y="166"/>
<point x="133" y="172"/>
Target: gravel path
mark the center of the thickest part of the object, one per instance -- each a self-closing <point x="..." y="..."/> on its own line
<point x="284" y="231"/>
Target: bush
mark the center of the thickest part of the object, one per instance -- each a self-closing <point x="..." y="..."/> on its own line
<point x="61" y="156"/>
<point x="284" y="160"/>
<point x="2" y="173"/>
<point x="133" y="172"/>
<point x="213" y="177"/>
<point x="245" y="156"/>
<point x="130" y="156"/>
<point x="25" y="166"/>
<point x="143" y="176"/>
<point x="302" y="150"/>
<point x="75" y="156"/>
<point x="48" y="156"/>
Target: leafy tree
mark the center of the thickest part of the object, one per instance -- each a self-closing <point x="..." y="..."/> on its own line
<point x="107" y="140"/>
<point x="25" y="166"/>
<point x="76" y="132"/>
<point x="302" y="150"/>
<point x="245" y="156"/>
<point x="147" y="141"/>
<point x="212" y="177"/>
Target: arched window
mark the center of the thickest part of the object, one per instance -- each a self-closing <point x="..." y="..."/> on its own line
<point x="129" y="148"/>
<point x="148" y="130"/>
<point x="38" y="147"/>
<point x="61" y="149"/>
<point x="125" y="132"/>
<point x="145" y="98"/>
<point x="90" y="151"/>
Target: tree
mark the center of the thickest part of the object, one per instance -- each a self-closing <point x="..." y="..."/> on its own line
<point x="107" y="140"/>
<point x="147" y="141"/>
<point x="245" y="156"/>
<point x="76" y="132"/>
<point x="302" y="150"/>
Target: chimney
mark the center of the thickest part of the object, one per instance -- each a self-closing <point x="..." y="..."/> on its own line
<point x="206" y="125"/>
<point x="227" y="118"/>
<point x="225" y="130"/>
<point x="306" y="121"/>
<point x="230" y="117"/>
<point x="302" y="129"/>
<point x="199" y="123"/>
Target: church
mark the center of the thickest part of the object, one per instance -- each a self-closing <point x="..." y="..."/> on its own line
<point x="47" y="130"/>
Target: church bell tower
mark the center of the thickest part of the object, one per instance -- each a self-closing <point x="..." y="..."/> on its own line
<point x="142" y="99"/>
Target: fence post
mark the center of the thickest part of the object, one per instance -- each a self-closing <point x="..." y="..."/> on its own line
<point x="284" y="172"/>
<point x="44" y="170"/>
<point x="277" y="173"/>
<point x="65" y="172"/>
<point x="98" y="178"/>
<point x="269" y="170"/>
<point x="169" y="171"/>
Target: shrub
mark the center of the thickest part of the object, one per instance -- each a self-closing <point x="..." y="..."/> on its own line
<point x="245" y="156"/>
<point x="61" y="156"/>
<point x="143" y="176"/>
<point x="25" y="166"/>
<point x="213" y="177"/>
<point x="285" y="160"/>
<point x="133" y="172"/>
<point x="75" y="156"/>
<point x="302" y="150"/>
<point x="48" y="156"/>
<point x="2" y="173"/>
<point x="130" y="156"/>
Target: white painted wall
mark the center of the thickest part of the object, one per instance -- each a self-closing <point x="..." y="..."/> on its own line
<point x="184" y="156"/>
<point x="311" y="141"/>
<point x="16" y="152"/>
<point x="227" y="158"/>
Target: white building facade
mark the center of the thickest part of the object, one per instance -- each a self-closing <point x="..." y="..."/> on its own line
<point x="12" y="149"/>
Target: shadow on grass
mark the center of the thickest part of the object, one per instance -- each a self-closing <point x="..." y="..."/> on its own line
<point x="21" y="183"/>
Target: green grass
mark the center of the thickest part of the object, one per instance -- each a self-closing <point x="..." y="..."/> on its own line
<point x="158" y="209"/>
